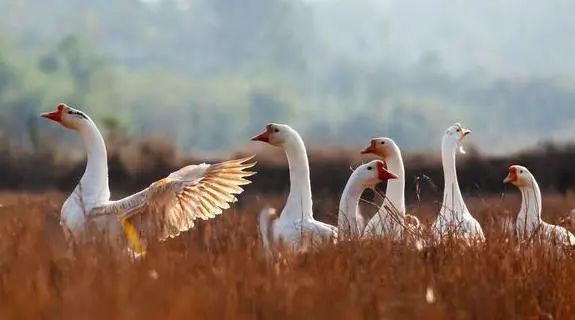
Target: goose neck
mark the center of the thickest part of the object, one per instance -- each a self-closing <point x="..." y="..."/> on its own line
<point x="94" y="183"/>
<point x="396" y="187"/>
<point x="530" y="212"/>
<point x="299" y="202"/>
<point x="349" y="206"/>
<point x="452" y="197"/>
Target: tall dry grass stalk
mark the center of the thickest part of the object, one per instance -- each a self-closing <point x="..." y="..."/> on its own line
<point x="218" y="271"/>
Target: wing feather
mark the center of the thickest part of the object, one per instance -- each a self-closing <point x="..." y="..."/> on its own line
<point x="187" y="213"/>
<point x="226" y="185"/>
<point x="204" y="213"/>
<point x="206" y="206"/>
<point x="215" y="197"/>
<point x="170" y="206"/>
<point x="220" y="192"/>
<point x="194" y="204"/>
<point x="211" y="198"/>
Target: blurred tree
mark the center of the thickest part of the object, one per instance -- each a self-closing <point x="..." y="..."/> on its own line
<point x="206" y="74"/>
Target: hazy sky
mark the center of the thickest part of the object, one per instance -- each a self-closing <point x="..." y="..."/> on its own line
<point x="512" y="37"/>
<point x="340" y="70"/>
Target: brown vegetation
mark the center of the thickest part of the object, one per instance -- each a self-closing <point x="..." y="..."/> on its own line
<point x="218" y="272"/>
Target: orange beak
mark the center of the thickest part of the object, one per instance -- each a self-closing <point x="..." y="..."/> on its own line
<point x="369" y="149"/>
<point x="263" y="137"/>
<point x="512" y="176"/>
<point x="55" y="115"/>
<point x="383" y="174"/>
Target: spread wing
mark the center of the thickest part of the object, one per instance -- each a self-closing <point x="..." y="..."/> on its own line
<point x="171" y="205"/>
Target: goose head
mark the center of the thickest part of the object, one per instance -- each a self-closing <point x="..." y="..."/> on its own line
<point x="372" y="173"/>
<point x="453" y="137"/>
<point x="382" y="147"/>
<point x="67" y="117"/>
<point x="519" y="176"/>
<point x="277" y="134"/>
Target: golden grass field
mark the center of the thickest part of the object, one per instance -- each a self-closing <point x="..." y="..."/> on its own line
<point x="219" y="272"/>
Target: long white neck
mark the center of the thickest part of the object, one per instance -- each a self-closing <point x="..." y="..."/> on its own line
<point x="93" y="186"/>
<point x="453" y="203"/>
<point x="395" y="192"/>
<point x="529" y="216"/>
<point x="349" y="207"/>
<point x="299" y="202"/>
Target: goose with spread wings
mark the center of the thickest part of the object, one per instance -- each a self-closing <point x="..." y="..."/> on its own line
<point x="165" y="209"/>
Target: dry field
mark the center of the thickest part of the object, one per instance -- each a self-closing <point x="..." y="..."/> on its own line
<point x="219" y="272"/>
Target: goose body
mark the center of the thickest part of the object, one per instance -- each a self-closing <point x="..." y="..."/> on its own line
<point x="296" y="227"/>
<point x="365" y="176"/>
<point x="164" y="209"/>
<point x="454" y="218"/>
<point x="529" y="224"/>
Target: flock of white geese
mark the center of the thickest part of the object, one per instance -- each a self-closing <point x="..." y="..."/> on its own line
<point x="171" y="205"/>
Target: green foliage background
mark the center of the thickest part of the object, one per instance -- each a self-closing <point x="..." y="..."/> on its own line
<point x="208" y="74"/>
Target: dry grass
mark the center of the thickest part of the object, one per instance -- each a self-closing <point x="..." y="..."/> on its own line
<point x="219" y="272"/>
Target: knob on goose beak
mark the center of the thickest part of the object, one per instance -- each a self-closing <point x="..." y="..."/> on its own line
<point x="263" y="137"/>
<point x="512" y="176"/>
<point x="383" y="174"/>
<point x="55" y="115"/>
<point x="369" y="149"/>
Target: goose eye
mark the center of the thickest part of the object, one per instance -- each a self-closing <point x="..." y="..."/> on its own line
<point x="77" y="113"/>
<point x="276" y="130"/>
<point x="458" y="130"/>
<point x="369" y="168"/>
<point x="521" y="171"/>
<point x="383" y="142"/>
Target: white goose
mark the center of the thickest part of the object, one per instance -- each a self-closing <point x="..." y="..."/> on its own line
<point x="391" y="219"/>
<point x="529" y="223"/>
<point x="454" y="218"/>
<point x="365" y="176"/>
<point x="295" y="228"/>
<point x="168" y="207"/>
